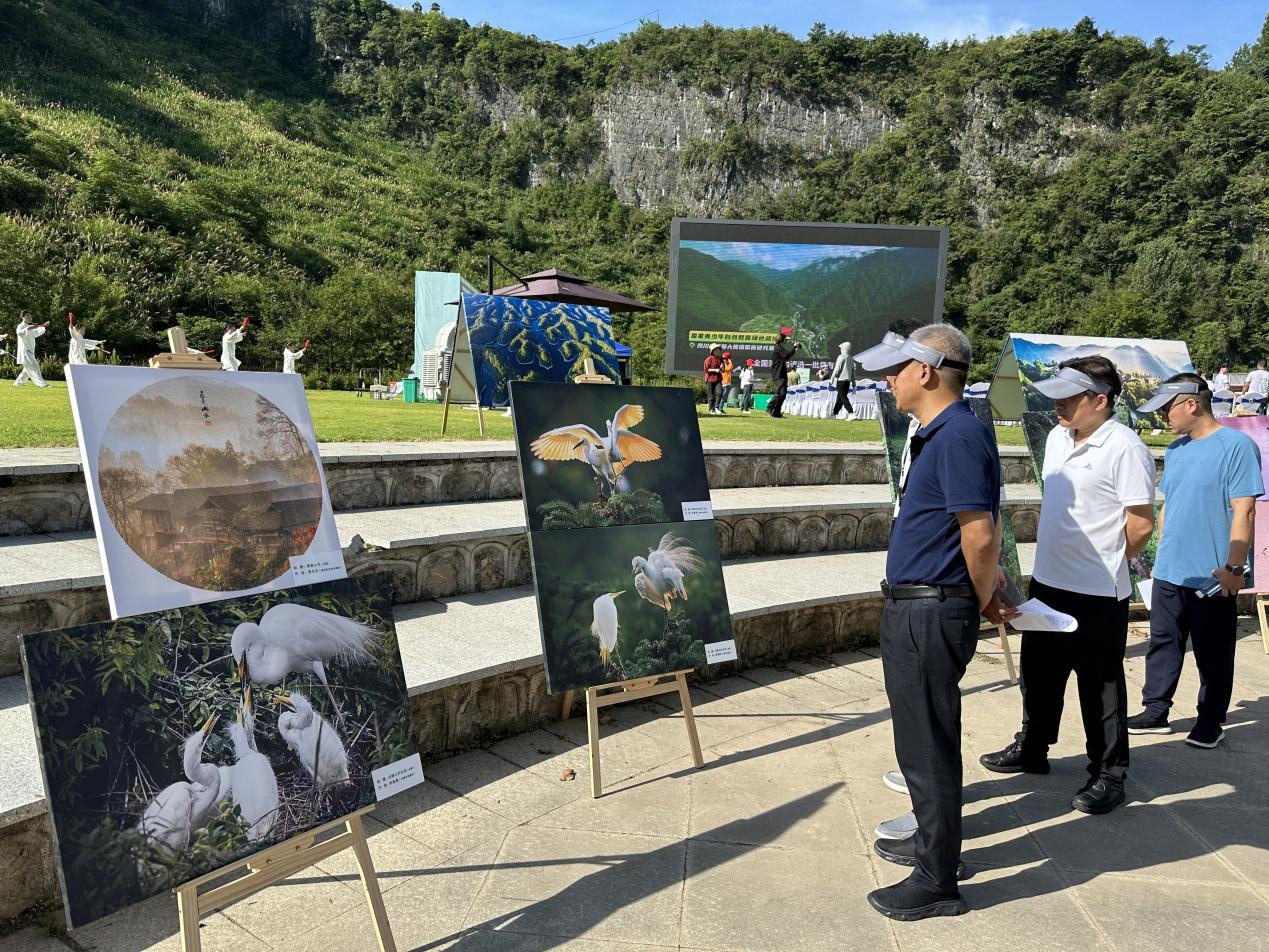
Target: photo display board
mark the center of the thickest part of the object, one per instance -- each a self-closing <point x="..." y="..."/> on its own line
<point x="177" y="742"/>
<point x="514" y="338"/>
<point x="202" y="485"/>
<point x="1142" y="365"/>
<point x="736" y="283"/>
<point x="625" y="555"/>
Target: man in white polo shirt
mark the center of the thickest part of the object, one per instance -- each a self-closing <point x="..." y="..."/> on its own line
<point x="1097" y="512"/>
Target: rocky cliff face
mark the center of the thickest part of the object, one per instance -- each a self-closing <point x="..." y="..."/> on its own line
<point x="702" y="153"/>
<point x="679" y="147"/>
<point x="990" y="146"/>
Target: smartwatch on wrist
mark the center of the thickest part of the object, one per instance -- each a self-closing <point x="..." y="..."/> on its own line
<point x="1236" y="570"/>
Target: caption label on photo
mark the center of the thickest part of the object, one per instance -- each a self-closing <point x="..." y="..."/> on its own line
<point x="720" y="651"/>
<point x="398" y="776"/>
<point x="321" y="567"/>
<point x="697" y="511"/>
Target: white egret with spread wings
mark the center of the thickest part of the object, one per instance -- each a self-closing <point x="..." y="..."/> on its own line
<point x="660" y="577"/>
<point x="609" y="455"/>
<point x="297" y="639"/>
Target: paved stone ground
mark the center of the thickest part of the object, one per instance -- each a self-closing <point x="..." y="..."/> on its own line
<point x="769" y="846"/>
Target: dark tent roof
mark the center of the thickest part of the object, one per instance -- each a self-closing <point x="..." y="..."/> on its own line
<point x="554" y="285"/>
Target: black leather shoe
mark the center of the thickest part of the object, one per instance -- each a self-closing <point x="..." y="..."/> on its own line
<point x="1013" y="760"/>
<point x="909" y="902"/>
<point x="1101" y="796"/>
<point x="903" y="852"/>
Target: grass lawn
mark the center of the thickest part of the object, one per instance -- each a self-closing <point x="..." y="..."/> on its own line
<point x="31" y="417"/>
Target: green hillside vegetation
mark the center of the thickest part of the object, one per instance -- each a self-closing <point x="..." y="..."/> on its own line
<point x="296" y="160"/>
<point x="710" y="288"/>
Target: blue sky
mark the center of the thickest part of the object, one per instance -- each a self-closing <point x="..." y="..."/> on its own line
<point x="1222" y="26"/>
<point x="782" y="256"/>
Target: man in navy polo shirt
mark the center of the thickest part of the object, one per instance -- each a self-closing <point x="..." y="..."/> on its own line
<point x="941" y="573"/>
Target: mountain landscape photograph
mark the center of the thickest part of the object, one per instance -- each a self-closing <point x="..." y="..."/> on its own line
<point x="826" y="293"/>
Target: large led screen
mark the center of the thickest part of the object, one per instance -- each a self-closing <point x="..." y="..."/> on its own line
<point x="736" y="283"/>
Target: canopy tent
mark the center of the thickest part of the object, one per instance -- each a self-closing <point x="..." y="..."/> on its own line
<point x="435" y="294"/>
<point x="555" y="285"/>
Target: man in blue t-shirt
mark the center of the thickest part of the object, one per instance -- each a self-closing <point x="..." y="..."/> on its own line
<point x="941" y="572"/>
<point x="1211" y="479"/>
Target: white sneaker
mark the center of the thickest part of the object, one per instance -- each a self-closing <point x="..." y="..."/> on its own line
<point x="900" y="828"/>
<point x="894" y="780"/>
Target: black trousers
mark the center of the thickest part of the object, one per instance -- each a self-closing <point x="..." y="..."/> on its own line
<point x="746" y="399"/>
<point x="713" y="391"/>
<point x="777" y="401"/>
<point x="1095" y="652"/>
<point x="843" y="398"/>
<point x="925" y="645"/>
<point x="1177" y="614"/>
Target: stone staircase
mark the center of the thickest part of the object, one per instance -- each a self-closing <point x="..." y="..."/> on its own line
<point x="802" y="529"/>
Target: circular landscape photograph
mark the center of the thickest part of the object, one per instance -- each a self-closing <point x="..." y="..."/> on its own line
<point x="209" y="483"/>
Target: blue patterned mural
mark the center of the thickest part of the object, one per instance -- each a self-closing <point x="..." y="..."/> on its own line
<point x="521" y="339"/>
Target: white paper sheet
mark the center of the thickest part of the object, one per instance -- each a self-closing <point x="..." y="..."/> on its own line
<point x="1146" y="588"/>
<point x="1037" y="616"/>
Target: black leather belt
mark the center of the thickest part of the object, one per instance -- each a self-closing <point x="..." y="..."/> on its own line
<point x="897" y="592"/>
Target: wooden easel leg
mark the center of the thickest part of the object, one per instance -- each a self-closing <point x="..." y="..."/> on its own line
<point x="445" y="413"/>
<point x="1004" y="646"/>
<point x="187" y="910"/>
<point x="1262" y="609"/>
<point x="566" y="706"/>
<point x="592" y="735"/>
<point x="690" y="720"/>
<point x="370" y="882"/>
<point x="480" y="415"/>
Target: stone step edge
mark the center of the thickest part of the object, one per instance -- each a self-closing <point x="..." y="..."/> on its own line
<point x="523" y="596"/>
<point x="60" y="460"/>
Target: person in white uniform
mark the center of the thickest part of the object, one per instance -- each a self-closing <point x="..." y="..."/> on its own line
<point x="1097" y="513"/>
<point x="1258" y="384"/>
<point x="289" y="357"/>
<point x="229" y="345"/>
<point x="79" y="344"/>
<point x="26" y="333"/>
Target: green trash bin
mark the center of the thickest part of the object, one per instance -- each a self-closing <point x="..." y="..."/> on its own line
<point x="410" y="390"/>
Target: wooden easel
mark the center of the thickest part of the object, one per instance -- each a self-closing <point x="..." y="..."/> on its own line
<point x="1262" y="609"/>
<point x="638" y="689"/>
<point x="278" y="862"/>
<point x="1004" y="646"/>
<point x="589" y="375"/>
<point x="179" y="357"/>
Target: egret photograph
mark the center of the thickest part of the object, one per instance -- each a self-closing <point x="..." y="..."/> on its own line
<point x="631" y="602"/>
<point x="205" y="485"/>
<point x="176" y="742"/>
<point x="599" y="456"/>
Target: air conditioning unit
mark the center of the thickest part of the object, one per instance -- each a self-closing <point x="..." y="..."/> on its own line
<point x="434" y="364"/>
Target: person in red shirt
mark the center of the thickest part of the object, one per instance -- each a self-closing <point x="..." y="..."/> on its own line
<point x="714" y="378"/>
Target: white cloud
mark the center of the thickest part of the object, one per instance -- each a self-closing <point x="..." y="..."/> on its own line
<point x="955" y="21"/>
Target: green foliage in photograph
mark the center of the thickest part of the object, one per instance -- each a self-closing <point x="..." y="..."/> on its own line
<point x="577" y="574"/>
<point x="116" y="702"/>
